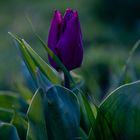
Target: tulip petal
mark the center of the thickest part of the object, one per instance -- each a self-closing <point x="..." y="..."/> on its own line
<point x="70" y="47"/>
<point x="67" y="16"/>
<point x="54" y="30"/>
<point x="54" y="34"/>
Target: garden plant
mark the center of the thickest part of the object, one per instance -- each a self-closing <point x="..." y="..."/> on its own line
<point x="60" y="109"/>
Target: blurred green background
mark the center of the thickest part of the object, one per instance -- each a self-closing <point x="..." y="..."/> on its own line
<point x="110" y="29"/>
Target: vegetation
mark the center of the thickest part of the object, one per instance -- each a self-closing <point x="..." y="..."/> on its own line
<point x="102" y="99"/>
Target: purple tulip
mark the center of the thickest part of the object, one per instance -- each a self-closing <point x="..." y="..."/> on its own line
<point x="65" y="39"/>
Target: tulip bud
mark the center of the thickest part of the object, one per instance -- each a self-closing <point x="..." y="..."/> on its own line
<point x="65" y="39"/>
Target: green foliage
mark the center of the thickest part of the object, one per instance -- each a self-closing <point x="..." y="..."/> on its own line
<point x="8" y="132"/>
<point x="33" y="61"/>
<point x="20" y="122"/>
<point x="54" y="112"/>
<point x="102" y="74"/>
<point x="11" y="100"/>
<point x="36" y="127"/>
<point x="63" y="114"/>
<point x="6" y="114"/>
<point x="87" y="114"/>
<point x="54" y="115"/>
<point x="119" y="113"/>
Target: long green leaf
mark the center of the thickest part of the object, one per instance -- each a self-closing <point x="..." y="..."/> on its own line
<point x="21" y="124"/>
<point x="8" y="132"/>
<point x="119" y="114"/>
<point x="24" y="92"/>
<point x="36" y="117"/>
<point x="33" y="60"/>
<point x="87" y="114"/>
<point x="48" y="71"/>
<point x="11" y="100"/>
<point x="63" y="114"/>
<point x="26" y="57"/>
<point x="6" y="114"/>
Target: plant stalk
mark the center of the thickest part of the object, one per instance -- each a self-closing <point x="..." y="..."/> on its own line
<point x="66" y="81"/>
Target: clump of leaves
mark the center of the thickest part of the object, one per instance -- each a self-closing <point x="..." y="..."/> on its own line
<point x="55" y="112"/>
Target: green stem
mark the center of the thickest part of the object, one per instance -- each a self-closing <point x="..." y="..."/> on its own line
<point x="66" y="81"/>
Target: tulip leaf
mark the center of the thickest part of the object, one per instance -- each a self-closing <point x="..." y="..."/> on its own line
<point x="119" y="114"/>
<point x="26" y="57"/>
<point x="87" y="113"/>
<point x="21" y="124"/>
<point x="9" y="100"/>
<point x="6" y="114"/>
<point x="42" y="81"/>
<point x="31" y="83"/>
<point x="33" y="60"/>
<point x="8" y="132"/>
<point x="83" y="135"/>
<point x="48" y="71"/>
<point x="24" y="92"/>
<point x="63" y="113"/>
<point x="36" y="117"/>
<point x="91" y="135"/>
